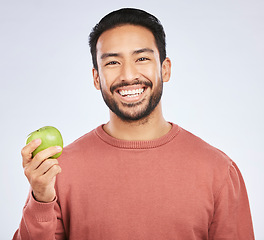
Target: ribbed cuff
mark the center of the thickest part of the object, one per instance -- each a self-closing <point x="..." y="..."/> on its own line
<point x="42" y="212"/>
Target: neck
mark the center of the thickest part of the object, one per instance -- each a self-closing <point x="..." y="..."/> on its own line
<point x="149" y="128"/>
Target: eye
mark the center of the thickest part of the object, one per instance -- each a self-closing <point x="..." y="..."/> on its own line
<point x="142" y="59"/>
<point x="111" y="63"/>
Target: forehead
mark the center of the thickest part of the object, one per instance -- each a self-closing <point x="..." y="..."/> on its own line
<point x="126" y="38"/>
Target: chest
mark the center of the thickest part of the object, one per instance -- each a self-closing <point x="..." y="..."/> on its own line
<point x="137" y="200"/>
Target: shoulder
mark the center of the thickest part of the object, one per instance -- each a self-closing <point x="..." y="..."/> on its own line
<point x="202" y="149"/>
<point x="81" y="146"/>
<point x="209" y="162"/>
<point x="203" y="158"/>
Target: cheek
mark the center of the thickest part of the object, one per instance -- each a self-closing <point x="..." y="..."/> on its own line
<point x="108" y="77"/>
<point x="153" y="73"/>
<point x="103" y="79"/>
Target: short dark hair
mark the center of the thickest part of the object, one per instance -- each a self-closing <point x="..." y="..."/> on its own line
<point x="128" y="16"/>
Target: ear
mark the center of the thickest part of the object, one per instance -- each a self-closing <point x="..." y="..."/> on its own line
<point x="96" y="79"/>
<point x="166" y="69"/>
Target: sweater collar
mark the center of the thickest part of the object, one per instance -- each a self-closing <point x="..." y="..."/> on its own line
<point x="137" y="144"/>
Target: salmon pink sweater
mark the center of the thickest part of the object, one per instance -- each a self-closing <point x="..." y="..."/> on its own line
<point x="174" y="187"/>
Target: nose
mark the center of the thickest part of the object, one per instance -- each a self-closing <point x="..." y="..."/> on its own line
<point x="129" y="72"/>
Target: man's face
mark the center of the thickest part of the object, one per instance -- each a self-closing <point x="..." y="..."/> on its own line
<point x="129" y="71"/>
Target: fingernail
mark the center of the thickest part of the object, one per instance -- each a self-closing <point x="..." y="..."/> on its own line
<point x="37" y="141"/>
<point x="59" y="148"/>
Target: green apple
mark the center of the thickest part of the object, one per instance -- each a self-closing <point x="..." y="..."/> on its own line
<point x="50" y="136"/>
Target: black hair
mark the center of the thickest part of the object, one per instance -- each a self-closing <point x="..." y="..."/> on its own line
<point x="128" y="16"/>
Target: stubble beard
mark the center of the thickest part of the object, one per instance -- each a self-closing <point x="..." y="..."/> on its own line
<point x="134" y="111"/>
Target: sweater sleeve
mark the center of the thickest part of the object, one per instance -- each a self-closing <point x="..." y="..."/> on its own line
<point x="40" y="221"/>
<point x="232" y="217"/>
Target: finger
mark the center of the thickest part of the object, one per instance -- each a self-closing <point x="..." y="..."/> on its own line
<point x="52" y="172"/>
<point x="45" y="166"/>
<point x="27" y="150"/>
<point x="43" y="155"/>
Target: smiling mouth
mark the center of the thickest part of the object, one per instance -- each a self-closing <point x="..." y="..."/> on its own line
<point x="131" y="93"/>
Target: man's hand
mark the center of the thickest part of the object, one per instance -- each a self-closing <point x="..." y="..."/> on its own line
<point x="41" y="171"/>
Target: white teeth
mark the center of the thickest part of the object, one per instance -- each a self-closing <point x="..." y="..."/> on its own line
<point x="134" y="95"/>
<point x="131" y="93"/>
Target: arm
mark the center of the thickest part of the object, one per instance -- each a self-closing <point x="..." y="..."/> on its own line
<point x="232" y="217"/>
<point x="41" y="214"/>
<point x="40" y="221"/>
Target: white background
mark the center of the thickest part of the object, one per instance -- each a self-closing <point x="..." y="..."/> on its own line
<point x="216" y="88"/>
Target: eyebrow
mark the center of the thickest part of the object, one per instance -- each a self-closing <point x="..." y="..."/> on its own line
<point x="142" y="50"/>
<point x="106" y="55"/>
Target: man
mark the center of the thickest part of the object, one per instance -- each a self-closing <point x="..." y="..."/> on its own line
<point x="137" y="176"/>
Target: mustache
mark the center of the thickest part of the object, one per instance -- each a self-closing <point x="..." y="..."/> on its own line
<point x="130" y="83"/>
